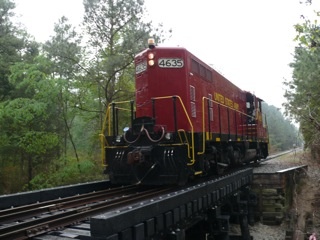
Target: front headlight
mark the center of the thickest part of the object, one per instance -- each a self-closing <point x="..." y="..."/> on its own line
<point x="151" y="62"/>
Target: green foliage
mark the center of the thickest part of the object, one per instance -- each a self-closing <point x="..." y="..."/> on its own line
<point x="52" y="105"/>
<point x="14" y="46"/>
<point x="61" y="174"/>
<point x="25" y="120"/>
<point x="64" y="53"/>
<point x="28" y="121"/>
<point x="117" y="33"/>
<point x="303" y="91"/>
<point x="35" y="142"/>
<point x="283" y="135"/>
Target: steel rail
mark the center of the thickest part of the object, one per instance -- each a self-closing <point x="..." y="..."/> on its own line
<point x="21" y="212"/>
<point x="42" y="224"/>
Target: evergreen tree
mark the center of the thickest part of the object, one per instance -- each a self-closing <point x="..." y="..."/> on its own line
<point x="28" y="121"/>
<point x="64" y="52"/>
<point x="303" y="91"/>
<point x="283" y="135"/>
<point x="116" y="33"/>
<point x="14" y="46"/>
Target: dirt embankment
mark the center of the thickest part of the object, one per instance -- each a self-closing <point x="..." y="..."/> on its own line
<point x="306" y="205"/>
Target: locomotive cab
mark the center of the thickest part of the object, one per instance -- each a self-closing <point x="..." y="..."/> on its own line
<point x="256" y="123"/>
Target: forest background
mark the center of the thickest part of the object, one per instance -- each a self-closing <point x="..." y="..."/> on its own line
<point x="53" y="95"/>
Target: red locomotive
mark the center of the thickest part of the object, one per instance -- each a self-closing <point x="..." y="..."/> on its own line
<point x="187" y="120"/>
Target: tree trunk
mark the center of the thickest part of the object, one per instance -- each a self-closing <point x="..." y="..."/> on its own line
<point x="30" y="173"/>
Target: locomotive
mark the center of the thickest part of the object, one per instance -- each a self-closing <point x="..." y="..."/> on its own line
<point x="187" y="120"/>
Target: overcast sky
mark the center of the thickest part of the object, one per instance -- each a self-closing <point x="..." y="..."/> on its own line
<point x="250" y="42"/>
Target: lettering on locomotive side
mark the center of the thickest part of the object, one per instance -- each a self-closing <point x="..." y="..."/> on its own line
<point x="229" y="102"/>
<point x="224" y="100"/>
<point x="219" y="98"/>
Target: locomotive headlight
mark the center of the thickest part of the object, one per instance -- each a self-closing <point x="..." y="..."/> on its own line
<point x="151" y="59"/>
<point x="168" y="136"/>
<point x="151" y="62"/>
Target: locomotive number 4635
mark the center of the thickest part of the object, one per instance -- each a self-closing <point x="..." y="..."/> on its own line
<point x="170" y="62"/>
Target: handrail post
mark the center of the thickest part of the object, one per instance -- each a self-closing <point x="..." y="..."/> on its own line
<point x="113" y="119"/>
<point x="228" y="114"/>
<point x="174" y="98"/>
<point x="117" y="121"/>
<point x="220" y="129"/>
<point x="209" y="125"/>
<point x="235" y="124"/>
<point x="242" y="124"/>
<point x="153" y="108"/>
<point x="131" y="109"/>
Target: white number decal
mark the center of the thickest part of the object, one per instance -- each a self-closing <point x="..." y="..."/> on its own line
<point x="170" y="62"/>
<point x="141" y="67"/>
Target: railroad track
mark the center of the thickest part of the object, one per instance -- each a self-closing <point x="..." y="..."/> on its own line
<point x="28" y="221"/>
<point x="31" y="220"/>
<point x="279" y="155"/>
